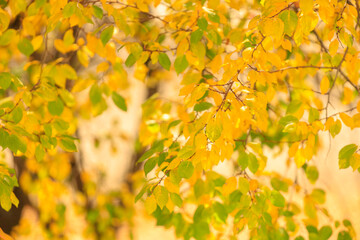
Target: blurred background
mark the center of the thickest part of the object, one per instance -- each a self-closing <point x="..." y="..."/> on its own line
<point x="106" y="160"/>
<point x="90" y="194"/>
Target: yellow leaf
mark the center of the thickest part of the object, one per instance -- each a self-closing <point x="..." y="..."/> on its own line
<point x="348" y="96"/>
<point x="214" y="129"/>
<point x="182" y="47"/>
<point x="156" y="2"/>
<point x="142" y="5"/>
<point x="150" y="204"/>
<point x="154" y="57"/>
<point x="358" y="106"/>
<point x="4" y="236"/>
<point x="83" y="57"/>
<point x="324" y="85"/>
<point x="306" y="5"/>
<point x="286" y="44"/>
<point x="273" y="27"/>
<point x="216" y="63"/>
<point x="174" y="163"/>
<point x="253" y="184"/>
<point x="4" y="20"/>
<point x="171" y="187"/>
<point x="356" y="120"/>
<point x="293" y="149"/>
<point x="310" y="145"/>
<point x="102" y="67"/>
<point x="229" y="186"/>
<point x="61" y="47"/>
<point x="254" y="22"/>
<point x="333" y="47"/>
<point x="347" y="120"/>
<point x="329" y="122"/>
<point x="36" y="42"/>
<point x="299" y="158"/>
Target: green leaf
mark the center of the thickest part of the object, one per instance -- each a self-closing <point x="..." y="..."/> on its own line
<point x="214" y="17"/>
<point x="119" y="101"/>
<point x="141" y="193"/>
<point x="244" y="185"/>
<point x="67" y="97"/>
<point x="174" y="123"/>
<point x="347" y="151"/>
<point x="312" y="174"/>
<point x="344" y="163"/>
<point x="7" y="37"/>
<point x="199" y="107"/>
<point x="25" y="47"/>
<point x="98" y="12"/>
<point x="343" y="235"/>
<point x="293" y="107"/>
<point x="196" y="36"/>
<point x="313" y="115"/>
<point x="186" y="169"/>
<point x="69" y="9"/>
<point x="60" y="125"/>
<point x="186" y="152"/>
<point x="161" y="195"/>
<point x="180" y="64"/>
<point x="287" y="120"/>
<point x="107" y="34"/>
<point x="56" y="107"/>
<point x="253" y="163"/>
<point x="213" y="130"/>
<point x="39" y="3"/>
<point x="164" y="61"/>
<point x="220" y="211"/>
<point x="95" y="94"/>
<point x="4" y="138"/>
<point x="277" y="199"/>
<point x="347" y="223"/>
<point x="150" y="164"/>
<point x="176" y="199"/>
<point x="146" y="155"/>
<point x="311" y="229"/>
<point x="68" y="71"/>
<point x="15" y="144"/>
<point x="345" y="154"/>
<point x="5" y="202"/>
<point x="290" y="20"/>
<point x="68" y="145"/>
<point x="199" y="188"/>
<point x="281" y="234"/>
<point x="318" y="196"/>
<point x="202" y="23"/>
<point x="335" y="128"/>
<point x="48" y="129"/>
<point x="201" y="230"/>
<point x="39" y="153"/>
<point x="243" y="159"/>
<point x="198" y="49"/>
<point x="150" y="204"/>
<point x="325" y="233"/>
<point x="131" y="60"/>
<point x="16" y="115"/>
<point x="279" y="185"/>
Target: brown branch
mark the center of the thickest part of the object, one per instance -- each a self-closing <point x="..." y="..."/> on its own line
<point x="336" y="75"/>
<point x="291" y="67"/>
<point x="282" y="10"/>
<point x="333" y="115"/>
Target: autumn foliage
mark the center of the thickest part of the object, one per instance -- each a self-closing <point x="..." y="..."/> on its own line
<point x="251" y="77"/>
